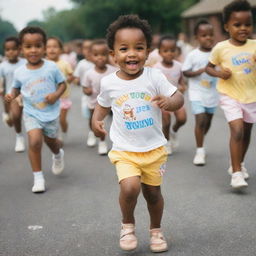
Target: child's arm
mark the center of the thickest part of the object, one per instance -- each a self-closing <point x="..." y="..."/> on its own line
<point x="11" y="96"/>
<point x="172" y="103"/>
<point x="224" y="73"/>
<point x="87" y="90"/>
<point x="99" y="114"/>
<point x="53" y="97"/>
<point x="190" y="73"/>
<point x="182" y="85"/>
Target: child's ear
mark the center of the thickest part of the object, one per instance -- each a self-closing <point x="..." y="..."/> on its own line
<point x="112" y="54"/>
<point x="226" y="27"/>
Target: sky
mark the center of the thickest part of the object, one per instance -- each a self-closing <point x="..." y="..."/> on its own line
<point x="19" y="12"/>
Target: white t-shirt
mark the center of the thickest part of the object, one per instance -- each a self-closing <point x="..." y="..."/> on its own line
<point x="172" y="73"/>
<point x="203" y="87"/>
<point x="7" y="72"/>
<point x="137" y="123"/>
<point x="82" y="67"/>
<point x="92" y="79"/>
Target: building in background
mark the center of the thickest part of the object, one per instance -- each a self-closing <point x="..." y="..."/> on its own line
<point x="212" y="11"/>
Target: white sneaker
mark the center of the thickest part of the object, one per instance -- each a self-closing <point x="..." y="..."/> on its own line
<point x="199" y="159"/>
<point x="58" y="163"/>
<point x="168" y="147"/>
<point x="237" y="180"/>
<point x="174" y="140"/>
<point x="91" y="139"/>
<point x="39" y="186"/>
<point x="243" y="170"/>
<point x="20" y="144"/>
<point x="102" y="148"/>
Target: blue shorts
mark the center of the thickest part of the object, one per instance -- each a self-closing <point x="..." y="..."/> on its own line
<point x="49" y="129"/>
<point x="198" y="108"/>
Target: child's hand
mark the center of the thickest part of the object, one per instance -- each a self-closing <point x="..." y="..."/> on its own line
<point x="98" y="129"/>
<point x="225" y="73"/>
<point x="161" y="101"/>
<point x="200" y="71"/>
<point x="8" y="98"/>
<point x="51" y="98"/>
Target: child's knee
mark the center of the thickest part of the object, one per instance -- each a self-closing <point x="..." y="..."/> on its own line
<point x="152" y="196"/>
<point x="35" y="144"/>
<point x="129" y="193"/>
<point x="237" y="134"/>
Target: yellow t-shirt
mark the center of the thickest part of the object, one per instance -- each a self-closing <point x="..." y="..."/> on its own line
<point x="241" y="86"/>
<point x="66" y="69"/>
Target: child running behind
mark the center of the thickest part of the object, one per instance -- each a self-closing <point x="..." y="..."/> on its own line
<point x="12" y="111"/>
<point x="41" y="84"/>
<point x="91" y="86"/>
<point x="136" y="96"/>
<point x="237" y="83"/>
<point x="53" y="51"/>
<point x="172" y="70"/>
<point x="202" y="87"/>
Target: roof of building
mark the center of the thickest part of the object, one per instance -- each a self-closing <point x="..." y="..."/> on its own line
<point x="205" y="7"/>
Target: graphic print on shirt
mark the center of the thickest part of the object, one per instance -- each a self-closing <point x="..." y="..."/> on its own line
<point x="36" y="90"/>
<point x="245" y="63"/>
<point x="206" y="81"/>
<point x="136" y="110"/>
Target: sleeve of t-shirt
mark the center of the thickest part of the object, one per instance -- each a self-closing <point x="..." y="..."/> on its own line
<point x="69" y="69"/>
<point x="16" y="82"/>
<point x="86" y="81"/>
<point x="214" y="55"/>
<point x="164" y="87"/>
<point x="77" y="70"/>
<point x="59" y="77"/>
<point x="104" y="98"/>
<point x="187" y="65"/>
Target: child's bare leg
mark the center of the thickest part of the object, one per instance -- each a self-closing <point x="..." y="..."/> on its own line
<point x="16" y="113"/>
<point x="200" y="129"/>
<point x="155" y="203"/>
<point x="63" y="120"/>
<point x="53" y="143"/>
<point x="7" y="107"/>
<point x="246" y="138"/>
<point x="35" y="140"/>
<point x="236" y="143"/>
<point x="129" y="192"/>
<point x="166" y="117"/>
<point x="181" y="118"/>
<point x="208" y="122"/>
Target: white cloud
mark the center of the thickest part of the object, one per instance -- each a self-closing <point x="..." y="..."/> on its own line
<point x="20" y="12"/>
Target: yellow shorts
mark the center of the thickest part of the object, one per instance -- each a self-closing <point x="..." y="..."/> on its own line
<point x="146" y="165"/>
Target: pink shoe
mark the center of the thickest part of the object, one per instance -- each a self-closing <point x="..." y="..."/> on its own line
<point x="157" y="241"/>
<point x="128" y="240"/>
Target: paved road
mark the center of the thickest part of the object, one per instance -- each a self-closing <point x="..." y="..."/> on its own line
<point x="79" y="213"/>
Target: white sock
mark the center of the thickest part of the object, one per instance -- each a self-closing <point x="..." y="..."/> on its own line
<point x="58" y="156"/>
<point x="38" y="175"/>
<point x="200" y="150"/>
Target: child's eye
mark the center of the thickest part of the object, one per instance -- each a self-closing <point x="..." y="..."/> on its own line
<point x="123" y="49"/>
<point x="140" y="48"/>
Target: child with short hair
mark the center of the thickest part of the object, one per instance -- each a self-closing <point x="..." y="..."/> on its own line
<point x="202" y="87"/>
<point x="41" y="84"/>
<point x="13" y="111"/>
<point x="91" y="86"/>
<point x="54" y="49"/>
<point x="237" y="83"/>
<point x="136" y="95"/>
<point x="172" y="70"/>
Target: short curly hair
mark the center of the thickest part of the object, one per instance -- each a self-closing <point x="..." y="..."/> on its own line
<point x="235" y="6"/>
<point x="32" y="30"/>
<point x="128" y="21"/>
<point x="12" y="39"/>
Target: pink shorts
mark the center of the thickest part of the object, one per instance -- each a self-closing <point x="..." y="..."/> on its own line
<point x="65" y="103"/>
<point x="234" y="110"/>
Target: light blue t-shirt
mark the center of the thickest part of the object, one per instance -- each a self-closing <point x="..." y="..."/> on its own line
<point x="34" y="85"/>
<point x="7" y="72"/>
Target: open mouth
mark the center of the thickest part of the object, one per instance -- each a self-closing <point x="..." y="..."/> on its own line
<point x="132" y="64"/>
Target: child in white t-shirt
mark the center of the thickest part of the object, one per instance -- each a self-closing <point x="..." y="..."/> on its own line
<point x="202" y="87"/>
<point x="172" y="70"/>
<point x="13" y="111"/>
<point x="91" y="86"/>
<point x="136" y="96"/>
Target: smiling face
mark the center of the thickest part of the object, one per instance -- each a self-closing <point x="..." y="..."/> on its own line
<point x="205" y="37"/>
<point x="239" y="27"/>
<point x="167" y="51"/>
<point x="33" y="49"/>
<point x="99" y="56"/>
<point x="11" y="51"/>
<point x="130" y="52"/>
<point x="53" y="49"/>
